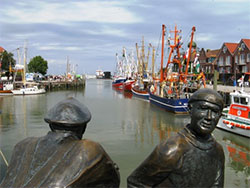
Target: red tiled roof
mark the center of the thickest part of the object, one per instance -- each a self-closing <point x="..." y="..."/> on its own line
<point x="231" y="46"/>
<point x="247" y="42"/>
<point x="212" y="53"/>
<point x="1" y="49"/>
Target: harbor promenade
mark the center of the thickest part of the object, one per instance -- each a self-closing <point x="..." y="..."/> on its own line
<point x="228" y="89"/>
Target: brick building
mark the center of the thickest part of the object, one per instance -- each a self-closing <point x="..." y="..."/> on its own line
<point x="208" y="62"/>
<point x="1" y="50"/>
<point x="231" y="61"/>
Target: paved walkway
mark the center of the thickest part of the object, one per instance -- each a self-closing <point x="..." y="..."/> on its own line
<point x="229" y="88"/>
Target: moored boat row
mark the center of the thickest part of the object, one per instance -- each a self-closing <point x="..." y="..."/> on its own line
<point x="169" y="88"/>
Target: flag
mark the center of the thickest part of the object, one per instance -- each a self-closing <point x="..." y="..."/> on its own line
<point x="240" y="81"/>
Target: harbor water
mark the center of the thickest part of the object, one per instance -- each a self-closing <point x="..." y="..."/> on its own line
<point x="127" y="127"/>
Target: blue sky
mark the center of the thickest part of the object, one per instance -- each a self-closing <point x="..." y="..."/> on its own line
<point x="91" y="32"/>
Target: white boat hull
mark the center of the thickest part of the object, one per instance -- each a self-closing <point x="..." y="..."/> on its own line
<point x="234" y="129"/>
<point x="28" y="91"/>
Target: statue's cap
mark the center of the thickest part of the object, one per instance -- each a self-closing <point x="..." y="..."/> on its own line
<point x="207" y="95"/>
<point x="69" y="112"/>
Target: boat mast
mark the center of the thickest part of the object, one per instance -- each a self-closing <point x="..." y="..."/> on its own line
<point x="24" y="64"/>
<point x="143" y="58"/>
<point x="153" y="63"/>
<point x="189" y="51"/>
<point x="146" y="64"/>
<point x="162" y="51"/>
<point x="173" y="47"/>
<point x="138" y="59"/>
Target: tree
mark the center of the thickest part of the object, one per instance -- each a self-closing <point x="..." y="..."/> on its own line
<point x="6" y="59"/>
<point x="38" y="65"/>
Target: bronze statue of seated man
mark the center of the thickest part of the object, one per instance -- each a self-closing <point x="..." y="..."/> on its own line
<point x="62" y="158"/>
<point x="191" y="158"/>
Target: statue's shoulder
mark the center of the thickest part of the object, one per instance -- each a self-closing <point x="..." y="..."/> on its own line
<point x="219" y="149"/>
<point x="92" y="147"/>
<point x="174" y="147"/>
<point x="89" y="143"/>
<point x="27" y="141"/>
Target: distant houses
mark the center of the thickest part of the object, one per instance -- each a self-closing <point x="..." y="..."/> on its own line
<point x="231" y="61"/>
<point x="1" y="49"/>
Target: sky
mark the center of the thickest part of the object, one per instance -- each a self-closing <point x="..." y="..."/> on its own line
<point x="89" y="33"/>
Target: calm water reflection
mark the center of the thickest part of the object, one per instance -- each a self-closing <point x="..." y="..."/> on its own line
<point x="127" y="127"/>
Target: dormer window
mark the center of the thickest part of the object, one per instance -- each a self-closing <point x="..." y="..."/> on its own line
<point x="242" y="46"/>
<point x="224" y="49"/>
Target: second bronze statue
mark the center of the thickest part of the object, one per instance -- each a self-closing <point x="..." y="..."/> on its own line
<point x="61" y="158"/>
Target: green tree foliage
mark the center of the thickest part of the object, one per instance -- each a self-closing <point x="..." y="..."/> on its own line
<point x="6" y="58"/>
<point x="38" y="65"/>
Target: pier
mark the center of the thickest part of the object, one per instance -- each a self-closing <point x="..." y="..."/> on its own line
<point x="228" y="89"/>
<point x="225" y="90"/>
<point x="56" y="84"/>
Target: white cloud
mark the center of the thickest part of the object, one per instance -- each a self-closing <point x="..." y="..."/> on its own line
<point x="56" y="61"/>
<point x="106" y="30"/>
<point x="56" y="46"/>
<point x="230" y="1"/>
<point x="203" y="37"/>
<point x="72" y="48"/>
<point x="60" y="13"/>
<point x="225" y="7"/>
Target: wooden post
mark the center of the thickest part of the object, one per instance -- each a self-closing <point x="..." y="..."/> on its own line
<point x="215" y="80"/>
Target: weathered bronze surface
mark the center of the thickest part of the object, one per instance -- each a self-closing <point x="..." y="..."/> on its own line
<point x="191" y="158"/>
<point x="61" y="158"/>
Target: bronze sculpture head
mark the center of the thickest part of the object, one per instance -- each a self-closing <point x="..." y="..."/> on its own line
<point x="69" y="115"/>
<point x="208" y="95"/>
<point x="205" y="109"/>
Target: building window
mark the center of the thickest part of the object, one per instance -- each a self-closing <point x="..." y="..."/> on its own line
<point x="228" y="60"/>
<point x="242" y="46"/>
<point x="220" y="61"/>
<point x="244" y="69"/>
<point x="224" y="49"/>
<point x="236" y="59"/>
<point x="242" y="59"/>
<point x="248" y="57"/>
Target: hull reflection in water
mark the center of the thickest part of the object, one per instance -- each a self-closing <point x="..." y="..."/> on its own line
<point x="237" y="153"/>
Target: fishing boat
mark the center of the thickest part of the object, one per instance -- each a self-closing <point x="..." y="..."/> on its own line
<point x="34" y="90"/>
<point x="118" y="82"/>
<point x="236" y="118"/>
<point x="172" y="90"/>
<point x="27" y="89"/>
<point x="119" y="74"/>
<point x="127" y="85"/>
<point x="5" y="88"/>
<point x="139" y="89"/>
<point x="130" y="70"/>
<point x="99" y="74"/>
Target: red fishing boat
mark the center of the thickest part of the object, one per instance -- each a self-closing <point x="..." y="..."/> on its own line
<point x="127" y="85"/>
